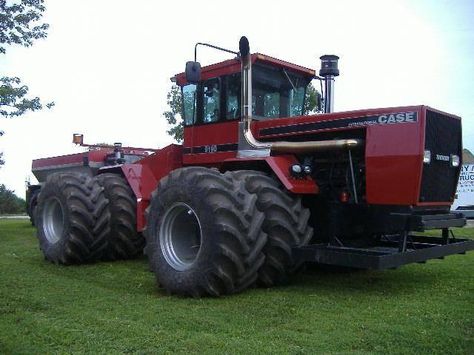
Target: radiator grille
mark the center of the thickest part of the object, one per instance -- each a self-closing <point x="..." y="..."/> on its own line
<point x="442" y="138"/>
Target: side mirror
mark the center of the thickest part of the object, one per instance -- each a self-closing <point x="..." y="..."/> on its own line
<point x="193" y="72"/>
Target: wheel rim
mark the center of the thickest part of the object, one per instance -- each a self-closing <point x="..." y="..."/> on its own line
<point x="180" y="236"/>
<point x="53" y="220"/>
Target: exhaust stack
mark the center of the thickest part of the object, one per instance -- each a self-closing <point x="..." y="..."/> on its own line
<point x="329" y="71"/>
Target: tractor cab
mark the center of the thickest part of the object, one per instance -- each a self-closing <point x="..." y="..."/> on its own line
<point x="212" y="104"/>
<point x="278" y="90"/>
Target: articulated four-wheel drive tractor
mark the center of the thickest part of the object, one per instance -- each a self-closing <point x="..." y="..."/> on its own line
<point x="258" y="188"/>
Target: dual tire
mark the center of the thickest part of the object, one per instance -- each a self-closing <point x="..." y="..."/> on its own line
<point x="72" y="219"/>
<point x="210" y="234"/>
<point x="204" y="234"/>
<point x="123" y="240"/>
<point x="285" y="223"/>
<point x="82" y="219"/>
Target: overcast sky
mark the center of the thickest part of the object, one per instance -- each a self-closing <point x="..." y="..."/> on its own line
<point x="107" y="63"/>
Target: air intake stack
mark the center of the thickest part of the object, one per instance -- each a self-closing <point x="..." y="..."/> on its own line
<point x="329" y="71"/>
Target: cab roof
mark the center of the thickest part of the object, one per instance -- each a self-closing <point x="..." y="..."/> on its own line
<point x="232" y="66"/>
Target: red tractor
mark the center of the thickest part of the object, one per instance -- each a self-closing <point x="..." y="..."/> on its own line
<point x="257" y="188"/>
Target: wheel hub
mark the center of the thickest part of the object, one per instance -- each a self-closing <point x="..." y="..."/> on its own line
<point x="53" y="220"/>
<point x="180" y="236"/>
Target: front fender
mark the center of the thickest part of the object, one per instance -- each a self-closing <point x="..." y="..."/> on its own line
<point x="281" y="165"/>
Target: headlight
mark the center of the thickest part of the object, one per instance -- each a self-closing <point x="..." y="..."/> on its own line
<point x="455" y="161"/>
<point x="296" y="170"/>
<point x="427" y="157"/>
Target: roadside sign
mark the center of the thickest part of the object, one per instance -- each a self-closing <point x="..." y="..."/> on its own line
<point x="465" y="190"/>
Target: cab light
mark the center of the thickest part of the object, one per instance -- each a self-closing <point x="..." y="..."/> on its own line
<point x="427" y="157"/>
<point x="296" y="170"/>
<point x="455" y="161"/>
<point x="78" y="138"/>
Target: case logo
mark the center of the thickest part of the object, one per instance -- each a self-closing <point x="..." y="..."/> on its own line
<point x="401" y="117"/>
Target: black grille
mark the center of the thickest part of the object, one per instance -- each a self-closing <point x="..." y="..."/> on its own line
<point x="442" y="139"/>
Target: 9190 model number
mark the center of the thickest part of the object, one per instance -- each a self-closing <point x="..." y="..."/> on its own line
<point x="210" y="148"/>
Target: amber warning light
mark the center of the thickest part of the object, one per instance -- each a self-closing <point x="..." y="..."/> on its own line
<point x="77" y="138"/>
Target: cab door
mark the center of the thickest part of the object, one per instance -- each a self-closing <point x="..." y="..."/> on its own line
<point x="213" y="135"/>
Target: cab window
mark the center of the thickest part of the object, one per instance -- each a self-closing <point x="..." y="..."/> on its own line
<point x="277" y="92"/>
<point x="189" y="104"/>
<point x="211" y="101"/>
<point x="233" y="96"/>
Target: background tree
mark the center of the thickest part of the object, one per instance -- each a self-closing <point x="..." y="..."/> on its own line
<point x="1" y="153"/>
<point x="13" y="100"/>
<point x="312" y="100"/>
<point x="19" y="25"/>
<point x="9" y="202"/>
<point x="174" y="101"/>
<point x="173" y="116"/>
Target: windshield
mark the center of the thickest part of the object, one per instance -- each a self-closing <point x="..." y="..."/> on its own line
<point x="277" y="92"/>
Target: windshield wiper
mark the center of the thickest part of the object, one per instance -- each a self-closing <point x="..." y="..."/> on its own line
<point x="289" y="80"/>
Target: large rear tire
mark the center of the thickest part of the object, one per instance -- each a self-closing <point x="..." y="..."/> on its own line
<point x="204" y="235"/>
<point x="123" y="240"/>
<point x="72" y="219"/>
<point x="286" y="224"/>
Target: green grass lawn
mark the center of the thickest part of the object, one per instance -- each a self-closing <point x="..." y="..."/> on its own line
<point x="116" y="307"/>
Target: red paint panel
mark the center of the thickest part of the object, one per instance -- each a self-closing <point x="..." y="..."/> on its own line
<point x="208" y="135"/>
<point x="164" y="161"/>
<point x="78" y="158"/>
<point x="394" y="162"/>
<point x="213" y="133"/>
<point x="209" y="159"/>
<point x="188" y="134"/>
<point x="144" y="176"/>
<point x="142" y="182"/>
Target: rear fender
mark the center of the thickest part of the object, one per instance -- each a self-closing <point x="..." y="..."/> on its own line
<point x="142" y="182"/>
